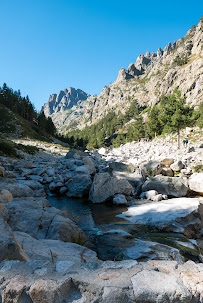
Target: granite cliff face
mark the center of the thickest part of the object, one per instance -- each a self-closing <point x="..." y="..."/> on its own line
<point x="179" y="65"/>
<point x="60" y="105"/>
<point x="65" y="99"/>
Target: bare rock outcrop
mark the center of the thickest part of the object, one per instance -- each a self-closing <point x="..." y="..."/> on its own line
<point x="10" y="248"/>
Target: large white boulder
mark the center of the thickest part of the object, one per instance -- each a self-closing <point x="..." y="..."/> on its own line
<point x="105" y="187"/>
<point x="196" y="183"/>
<point x="171" y="186"/>
<point x="79" y="185"/>
<point x="151" y="168"/>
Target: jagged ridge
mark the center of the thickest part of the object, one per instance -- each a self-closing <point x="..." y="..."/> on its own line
<point x="145" y="80"/>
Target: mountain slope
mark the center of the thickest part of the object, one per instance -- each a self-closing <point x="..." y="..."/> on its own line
<point x="179" y="65"/>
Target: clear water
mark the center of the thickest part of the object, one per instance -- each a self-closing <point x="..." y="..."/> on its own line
<point x="96" y="220"/>
<point x="87" y="215"/>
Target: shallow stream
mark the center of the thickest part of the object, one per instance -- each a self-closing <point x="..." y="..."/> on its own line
<point x="114" y="238"/>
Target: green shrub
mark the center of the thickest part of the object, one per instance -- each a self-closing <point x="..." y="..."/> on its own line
<point x="200" y="115"/>
<point x="180" y="60"/>
<point x="198" y="168"/>
<point x="7" y="149"/>
<point x="28" y="149"/>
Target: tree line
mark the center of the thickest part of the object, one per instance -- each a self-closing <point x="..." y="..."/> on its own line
<point x="23" y="107"/>
<point x="171" y="114"/>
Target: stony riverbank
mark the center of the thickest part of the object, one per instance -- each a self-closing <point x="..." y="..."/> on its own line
<point x="40" y="262"/>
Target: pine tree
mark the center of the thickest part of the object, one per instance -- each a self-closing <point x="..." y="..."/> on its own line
<point x="153" y="126"/>
<point x="175" y="114"/>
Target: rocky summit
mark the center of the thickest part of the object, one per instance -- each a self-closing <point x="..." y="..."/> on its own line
<point x="178" y="65"/>
<point x="64" y="102"/>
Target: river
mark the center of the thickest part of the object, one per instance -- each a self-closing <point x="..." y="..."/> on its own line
<point x="114" y="238"/>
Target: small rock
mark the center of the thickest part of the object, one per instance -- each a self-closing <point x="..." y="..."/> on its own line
<point x="103" y="151"/>
<point x="43" y="291"/>
<point x="186" y="171"/>
<point x="151" y="194"/>
<point x="109" y="275"/>
<point x="59" y="185"/>
<point x="154" y="286"/>
<point x="157" y="198"/>
<point x="52" y="186"/>
<point x="84" y="169"/>
<point x="120" y="199"/>
<point x="63" y="190"/>
<point x="2" y="171"/>
<point x="177" y="166"/>
<point x="167" y="171"/>
<point x="73" y="153"/>
<point x="167" y="161"/>
<point x="191" y="149"/>
<point x="6" y="196"/>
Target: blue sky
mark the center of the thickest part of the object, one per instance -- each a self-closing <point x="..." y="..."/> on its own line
<point x="50" y="45"/>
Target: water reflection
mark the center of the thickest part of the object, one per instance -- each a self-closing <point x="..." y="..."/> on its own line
<point x="86" y="214"/>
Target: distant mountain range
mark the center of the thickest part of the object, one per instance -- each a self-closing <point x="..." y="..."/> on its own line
<point x="179" y="65"/>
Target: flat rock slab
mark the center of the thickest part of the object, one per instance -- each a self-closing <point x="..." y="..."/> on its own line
<point x="147" y="250"/>
<point x="152" y="286"/>
<point x="49" y="250"/>
<point x="160" y="213"/>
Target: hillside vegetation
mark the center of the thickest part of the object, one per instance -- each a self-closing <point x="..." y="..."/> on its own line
<point x="18" y="117"/>
<point x="171" y="115"/>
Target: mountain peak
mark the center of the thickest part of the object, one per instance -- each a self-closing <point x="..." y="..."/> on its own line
<point x="65" y="99"/>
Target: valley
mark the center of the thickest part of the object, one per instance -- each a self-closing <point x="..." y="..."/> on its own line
<point x="101" y="197"/>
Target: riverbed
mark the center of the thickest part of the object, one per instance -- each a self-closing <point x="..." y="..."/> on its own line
<point x="114" y="238"/>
